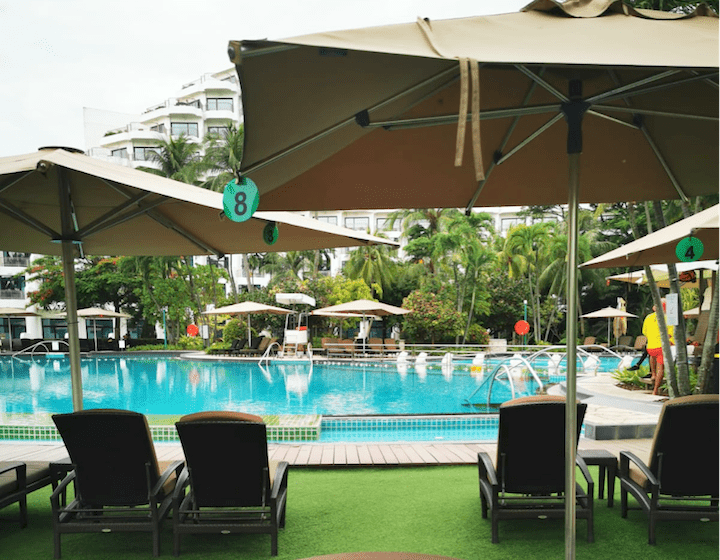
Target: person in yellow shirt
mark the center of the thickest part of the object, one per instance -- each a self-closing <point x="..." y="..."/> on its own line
<point x="651" y="330"/>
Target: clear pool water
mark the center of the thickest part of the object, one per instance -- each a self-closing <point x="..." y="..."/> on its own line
<point x="173" y="386"/>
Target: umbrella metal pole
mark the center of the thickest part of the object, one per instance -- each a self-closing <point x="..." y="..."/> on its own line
<point x="68" y="259"/>
<point x="574" y="111"/>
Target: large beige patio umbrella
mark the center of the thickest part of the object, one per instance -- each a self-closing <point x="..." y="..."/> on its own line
<point x="384" y="109"/>
<point x="248" y="308"/>
<point x="662" y="277"/>
<point x="660" y="246"/>
<point x="59" y="202"/>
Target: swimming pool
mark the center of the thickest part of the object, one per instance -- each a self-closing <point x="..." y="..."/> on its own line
<point x="375" y="402"/>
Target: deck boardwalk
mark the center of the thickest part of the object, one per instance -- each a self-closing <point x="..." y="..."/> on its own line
<point x="340" y="454"/>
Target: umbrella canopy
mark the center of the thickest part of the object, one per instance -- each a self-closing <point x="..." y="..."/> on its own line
<point x="98" y="313"/>
<point x="661" y="275"/>
<point x="248" y="308"/>
<point x="385" y="109"/>
<point x="364" y="307"/>
<point x="659" y="247"/>
<point x="58" y="201"/>
<point x="361" y="127"/>
<point x="15" y="312"/>
<point x="609" y="313"/>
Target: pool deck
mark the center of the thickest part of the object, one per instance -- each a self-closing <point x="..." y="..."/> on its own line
<point x="612" y="412"/>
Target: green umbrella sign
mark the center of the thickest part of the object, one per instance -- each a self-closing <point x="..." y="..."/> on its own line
<point x="270" y="233"/>
<point x="240" y="199"/>
<point x="689" y="249"/>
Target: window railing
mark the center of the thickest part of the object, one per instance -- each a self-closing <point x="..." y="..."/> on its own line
<point x="12" y="294"/>
<point x="15" y="260"/>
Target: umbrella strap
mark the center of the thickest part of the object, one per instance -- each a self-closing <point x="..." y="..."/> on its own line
<point x="465" y="63"/>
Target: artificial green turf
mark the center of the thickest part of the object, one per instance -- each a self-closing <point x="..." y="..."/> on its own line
<point x="433" y="510"/>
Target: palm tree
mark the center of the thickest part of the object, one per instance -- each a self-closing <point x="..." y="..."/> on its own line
<point x="223" y="154"/>
<point x="421" y="226"/>
<point x="179" y="159"/>
<point x="524" y="252"/>
<point x="374" y="265"/>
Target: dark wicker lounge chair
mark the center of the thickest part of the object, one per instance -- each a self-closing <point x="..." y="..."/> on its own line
<point x="231" y="486"/>
<point x="119" y="484"/>
<point x="680" y="481"/>
<point x="528" y="480"/>
<point x="18" y="479"/>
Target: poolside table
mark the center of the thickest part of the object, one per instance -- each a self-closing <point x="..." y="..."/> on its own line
<point x="605" y="461"/>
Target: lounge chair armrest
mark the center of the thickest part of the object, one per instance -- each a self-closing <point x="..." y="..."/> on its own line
<point x="18" y="466"/>
<point x="626" y="457"/>
<point x="182" y="482"/>
<point x="174" y="466"/>
<point x="486" y="470"/>
<point x="60" y="490"/>
<point x="580" y="462"/>
<point x="280" y="481"/>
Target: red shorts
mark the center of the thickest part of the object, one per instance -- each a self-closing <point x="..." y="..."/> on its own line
<point x="656" y="353"/>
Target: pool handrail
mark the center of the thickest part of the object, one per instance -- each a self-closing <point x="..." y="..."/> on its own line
<point x="504" y="367"/>
<point x="266" y="354"/>
<point x="31" y="349"/>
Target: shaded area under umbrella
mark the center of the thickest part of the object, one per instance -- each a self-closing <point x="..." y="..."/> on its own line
<point x="248" y="308"/>
<point x="609" y="313"/>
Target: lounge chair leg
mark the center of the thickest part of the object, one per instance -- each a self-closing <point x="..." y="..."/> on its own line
<point x="274" y="544"/>
<point x="56" y="541"/>
<point x="23" y="512"/>
<point x="176" y="544"/>
<point x="495" y="539"/>
<point x="651" y="529"/>
<point x="623" y="503"/>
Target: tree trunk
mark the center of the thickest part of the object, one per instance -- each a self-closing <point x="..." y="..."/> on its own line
<point x="711" y="339"/>
<point x="246" y="268"/>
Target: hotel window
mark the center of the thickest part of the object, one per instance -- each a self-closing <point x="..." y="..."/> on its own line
<point x="220" y="131"/>
<point x="358" y="224"/>
<point x="17" y="326"/>
<point x="219" y="104"/>
<point x="121" y="153"/>
<point x="158" y="128"/>
<point x="507" y="223"/>
<point x="11" y="258"/>
<point x="54" y="329"/>
<point x="328" y="219"/>
<point x="12" y="287"/>
<point x="141" y="153"/>
<point x="180" y="128"/>
<point x="384" y="224"/>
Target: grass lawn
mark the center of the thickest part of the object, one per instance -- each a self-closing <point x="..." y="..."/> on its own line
<point x="433" y="510"/>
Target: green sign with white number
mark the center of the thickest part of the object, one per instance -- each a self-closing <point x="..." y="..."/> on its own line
<point x="240" y="199"/>
<point x="689" y="249"/>
<point x="270" y="233"/>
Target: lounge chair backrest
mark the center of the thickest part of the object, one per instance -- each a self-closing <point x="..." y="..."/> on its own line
<point x="110" y="450"/>
<point x="589" y="340"/>
<point x="640" y="342"/>
<point x="255" y="342"/>
<point x="264" y="343"/>
<point x="531" y="444"/>
<point x="226" y="454"/>
<point x="625" y="341"/>
<point x="684" y="453"/>
<point x="701" y="328"/>
<point x="391" y="344"/>
<point x="375" y="344"/>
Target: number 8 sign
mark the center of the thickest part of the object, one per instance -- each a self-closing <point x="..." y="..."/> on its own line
<point x="240" y="200"/>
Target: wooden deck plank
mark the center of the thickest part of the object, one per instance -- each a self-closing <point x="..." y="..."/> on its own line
<point x="351" y="454"/>
<point x="340" y="454"/>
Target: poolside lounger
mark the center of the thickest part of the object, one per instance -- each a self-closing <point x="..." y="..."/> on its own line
<point x="119" y="484"/>
<point x="375" y="346"/>
<point x="680" y="481"/>
<point x="18" y="479"/>
<point x="228" y="485"/>
<point x="528" y="479"/>
<point x="391" y="345"/>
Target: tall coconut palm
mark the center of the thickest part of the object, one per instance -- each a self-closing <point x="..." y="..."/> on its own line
<point x="420" y="226"/>
<point x="524" y="253"/>
<point x="374" y="265"/>
<point x="179" y="159"/>
<point x="223" y="153"/>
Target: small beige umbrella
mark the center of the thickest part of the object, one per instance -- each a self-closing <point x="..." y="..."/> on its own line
<point x="248" y="308"/>
<point x="609" y="313"/>
<point x="15" y="312"/>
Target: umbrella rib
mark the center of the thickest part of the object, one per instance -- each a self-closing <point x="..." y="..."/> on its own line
<point x="337" y="126"/>
<point x="545" y="85"/>
<point x="532" y="137"/>
<point x="104" y="223"/>
<point x="623" y="93"/>
<point x="619" y="92"/>
<point x="95" y="226"/>
<point x="170" y="224"/>
<point x="12" y="210"/>
<point x="650" y="112"/>
<point x="399" y="124"/>
<point x="664" y="163"/>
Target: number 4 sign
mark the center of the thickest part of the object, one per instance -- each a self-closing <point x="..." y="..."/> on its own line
<point x="689" y="249"/>
<point x="240" y="200"/>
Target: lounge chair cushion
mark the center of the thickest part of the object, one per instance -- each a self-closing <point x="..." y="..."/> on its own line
<point x="35" y="471"/>
<point x="219" y="415"/>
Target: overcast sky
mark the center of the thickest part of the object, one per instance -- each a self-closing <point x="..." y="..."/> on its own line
<point x="58" y="56"/>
